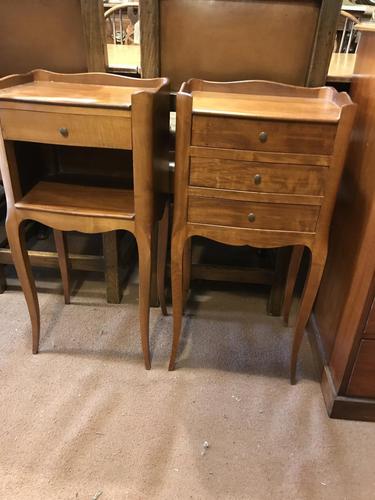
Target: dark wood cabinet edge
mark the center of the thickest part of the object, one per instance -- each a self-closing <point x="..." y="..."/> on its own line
<point x="340" y="407"/>
<point x="368" y="309"/>
<point x="324" y="42"/>
<point x="359" y="336"/>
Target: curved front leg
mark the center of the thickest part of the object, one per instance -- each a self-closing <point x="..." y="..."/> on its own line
<point x="144" y="262"/>
<point x="186" y="268"/>
<point x="21" y="262"/>
<point x="177" y="278"/>
<point x="294" y="265"/>
<point x="310" y="291"/>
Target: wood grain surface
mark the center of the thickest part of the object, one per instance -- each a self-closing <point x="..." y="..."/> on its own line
<point x="256" y="176"/>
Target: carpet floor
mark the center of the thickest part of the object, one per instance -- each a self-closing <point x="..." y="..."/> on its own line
<point x="84" y="420"/>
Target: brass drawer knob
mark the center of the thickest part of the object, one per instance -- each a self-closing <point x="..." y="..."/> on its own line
<point x="257" y="179"/>
<point x="251" y="217"/>
<point x="64" y="131"/>
<point x="263" y="136"/>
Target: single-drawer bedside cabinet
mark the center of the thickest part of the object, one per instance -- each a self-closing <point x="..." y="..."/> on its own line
<point x="257" y="163"/>
<point x="88" y="112"/>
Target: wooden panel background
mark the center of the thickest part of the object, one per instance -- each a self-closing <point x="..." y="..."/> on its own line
<point x="289" y="41"/>
<point x="64" y="36"/>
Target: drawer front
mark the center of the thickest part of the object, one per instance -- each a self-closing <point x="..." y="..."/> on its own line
<point x="101" y="131"/>
<point x="252" y="215"/>
<point x="288" y="137"/>
<point x="370" y="325"/>
<point x="362" y="380"/>
<point x="253" y="176"/>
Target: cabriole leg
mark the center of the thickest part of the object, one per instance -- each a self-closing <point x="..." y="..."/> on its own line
<point x="162" y="258"/>
<point x="294" y="265"/>
<point x="21" y="261"/>
<point x="144" y="257"/>
<point x="178" y="248"/>
<point x="308" y="297"/>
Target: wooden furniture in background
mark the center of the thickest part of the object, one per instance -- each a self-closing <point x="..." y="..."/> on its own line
<point x="124" y="59"/>
<point x="342" y="62"/>
<point x="346" y="40"/>
<point x="363" y="10"/>
<point x="288" y="42"/>
<point x="257" y="163"/>
<point x="93" y="111"/>
<point x="67" y="37"/>
<point x="341" y="68"/>
<point x="343" y="325"/>
<point x="121" y="18"/>
<point x="123" y="49"/>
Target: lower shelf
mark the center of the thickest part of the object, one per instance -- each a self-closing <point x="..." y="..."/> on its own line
<point x="74" y="199"/>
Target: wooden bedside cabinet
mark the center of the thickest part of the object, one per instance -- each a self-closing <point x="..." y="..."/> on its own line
<point x="91" y="110"/>
<point x="257" y="163"/>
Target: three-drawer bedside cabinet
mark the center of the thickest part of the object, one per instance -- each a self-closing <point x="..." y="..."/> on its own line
<point x="86" y="114"/>
<point x="257" y="163"/>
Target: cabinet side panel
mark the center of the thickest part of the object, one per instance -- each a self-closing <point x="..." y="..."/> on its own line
<point x="350" y="265"/>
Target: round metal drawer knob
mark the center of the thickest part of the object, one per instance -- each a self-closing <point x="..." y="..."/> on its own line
<point x="257" y="179"/>
<point x="251" y="217"/>
<point x="64" y="131"/>
<point x="263" y="136"/>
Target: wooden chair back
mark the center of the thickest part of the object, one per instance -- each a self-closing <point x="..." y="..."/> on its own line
<point x="59" y="35"/>
<point x="120" y="23"/>
<point x="348" y="37"/>
<point x="288" y="41"/>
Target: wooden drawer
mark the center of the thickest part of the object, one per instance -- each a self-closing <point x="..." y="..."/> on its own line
<point x="362" y="380"/>
<point x="253" y="176"/>
<point x="370" y="325"/>
<point x="103" y="131"/>
<point x="276" y="136"/>
<point x="224" y="212"/>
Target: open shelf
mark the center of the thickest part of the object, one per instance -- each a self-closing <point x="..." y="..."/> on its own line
<point x="75" y="199"/>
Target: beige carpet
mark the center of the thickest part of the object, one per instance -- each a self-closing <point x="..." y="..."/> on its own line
<point x="84" y="420"/>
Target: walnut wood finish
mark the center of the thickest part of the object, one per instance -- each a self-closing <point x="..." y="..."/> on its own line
<point x="65" y="36"/>
<point x="344" y="312"/>
<point x="91" y="263"/>
<point x="259" y="219"/>
<point x="262" y="103"/>
<point x="162" y="258"/>
<point x="185" y="38"/>
<point x="293" y="269"/>
<point x="260" y="156"/>
<point x="89" y="209"/>
<point x="45" y="127"/>
<point x="280" y="137"/>
<point x="257" y="176"/>
<point x="252" y="215"/>
<point x="111" y="259"/>
<point x="56" y="197"/>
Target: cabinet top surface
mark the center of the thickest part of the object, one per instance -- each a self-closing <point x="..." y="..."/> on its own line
<point x="70" y="94"/>
<point x="86" y="89"/>
<point x="274" y="107"/>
